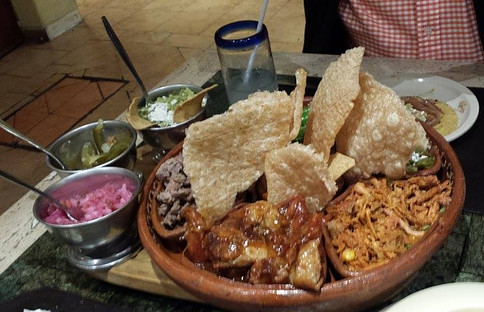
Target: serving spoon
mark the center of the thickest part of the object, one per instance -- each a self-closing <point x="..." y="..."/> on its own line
<point x="124" y="55"/>
<point x="5" y="126"/>
<point x="73" y="213"/>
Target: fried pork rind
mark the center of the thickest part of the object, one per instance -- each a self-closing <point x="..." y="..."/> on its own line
<point x="333" y="101"/>
<point x="298" y="170"/>
<point x="224" y="154"/>
<point x="380" y="133"/>
<point x="339" y="164"/>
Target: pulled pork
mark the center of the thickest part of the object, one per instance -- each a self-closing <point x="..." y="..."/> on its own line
<point x="380" y="219"/>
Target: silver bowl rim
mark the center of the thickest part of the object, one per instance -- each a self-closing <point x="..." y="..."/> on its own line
<point x="133" y="176"/>
<point x="83" y="128"/>
<point x="173" y="87"/>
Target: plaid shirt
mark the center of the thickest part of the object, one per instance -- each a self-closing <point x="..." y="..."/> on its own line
<point x="427" y="29"/>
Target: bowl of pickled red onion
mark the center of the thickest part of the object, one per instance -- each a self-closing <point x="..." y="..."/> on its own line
<point x="108" y="196"/>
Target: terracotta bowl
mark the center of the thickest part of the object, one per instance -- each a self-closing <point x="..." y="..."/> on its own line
<point x="352" y="293"/>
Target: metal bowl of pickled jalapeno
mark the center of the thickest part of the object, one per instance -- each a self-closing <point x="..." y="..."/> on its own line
<point x="100" y="144"/>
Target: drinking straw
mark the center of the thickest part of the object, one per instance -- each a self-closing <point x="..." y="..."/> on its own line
<point x="258" y="29"/>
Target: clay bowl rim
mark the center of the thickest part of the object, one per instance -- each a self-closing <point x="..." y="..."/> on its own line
<point x="224" y="292"/>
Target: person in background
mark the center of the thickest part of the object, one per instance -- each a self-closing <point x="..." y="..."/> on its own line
<point x="424" y="29"/>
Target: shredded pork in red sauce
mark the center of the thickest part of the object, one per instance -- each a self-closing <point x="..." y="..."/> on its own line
<point x="261" y="243"/>
<point x="380" y="219"/>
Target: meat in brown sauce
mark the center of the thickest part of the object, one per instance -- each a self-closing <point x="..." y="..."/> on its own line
<point x="261" y="243"/>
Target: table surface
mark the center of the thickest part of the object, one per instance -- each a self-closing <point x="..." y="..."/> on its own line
<point x="31" y="259"/>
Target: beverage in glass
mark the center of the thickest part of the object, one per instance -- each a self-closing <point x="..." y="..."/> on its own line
<point x="245" y="59"/>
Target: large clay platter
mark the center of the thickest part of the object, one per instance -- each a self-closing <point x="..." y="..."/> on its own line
<point x="342" y="294"/>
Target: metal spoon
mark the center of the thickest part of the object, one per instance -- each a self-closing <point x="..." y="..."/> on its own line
<point x="124" y="55"/>
<point x="72" y="213"/>
<point x="5" y="126"/>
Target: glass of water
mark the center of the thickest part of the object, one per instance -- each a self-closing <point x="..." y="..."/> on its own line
<point x="245" y="59"/>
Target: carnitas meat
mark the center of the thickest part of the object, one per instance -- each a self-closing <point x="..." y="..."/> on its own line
<point x="176" y="193"/>
<point x="261" y="243"/>
<point x="379" y="219"/>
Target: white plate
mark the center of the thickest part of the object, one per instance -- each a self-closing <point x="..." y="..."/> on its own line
<point x="454" y="297"/>
<point x="446" y="90"/>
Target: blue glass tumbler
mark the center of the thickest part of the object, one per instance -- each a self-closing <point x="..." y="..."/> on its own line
<point x="245" y="59"/>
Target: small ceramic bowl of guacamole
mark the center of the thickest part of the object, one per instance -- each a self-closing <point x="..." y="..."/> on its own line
<point x="166" y="134"/>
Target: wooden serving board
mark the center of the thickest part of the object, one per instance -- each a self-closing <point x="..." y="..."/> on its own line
<point x="141" y="274"/>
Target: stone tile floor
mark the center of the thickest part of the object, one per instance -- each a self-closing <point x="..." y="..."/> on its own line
<point x="58" y="109"/>
<point x="159" y="35"/>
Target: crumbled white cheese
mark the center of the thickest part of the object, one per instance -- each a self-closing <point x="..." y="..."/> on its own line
<point x="160" y="112"/>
